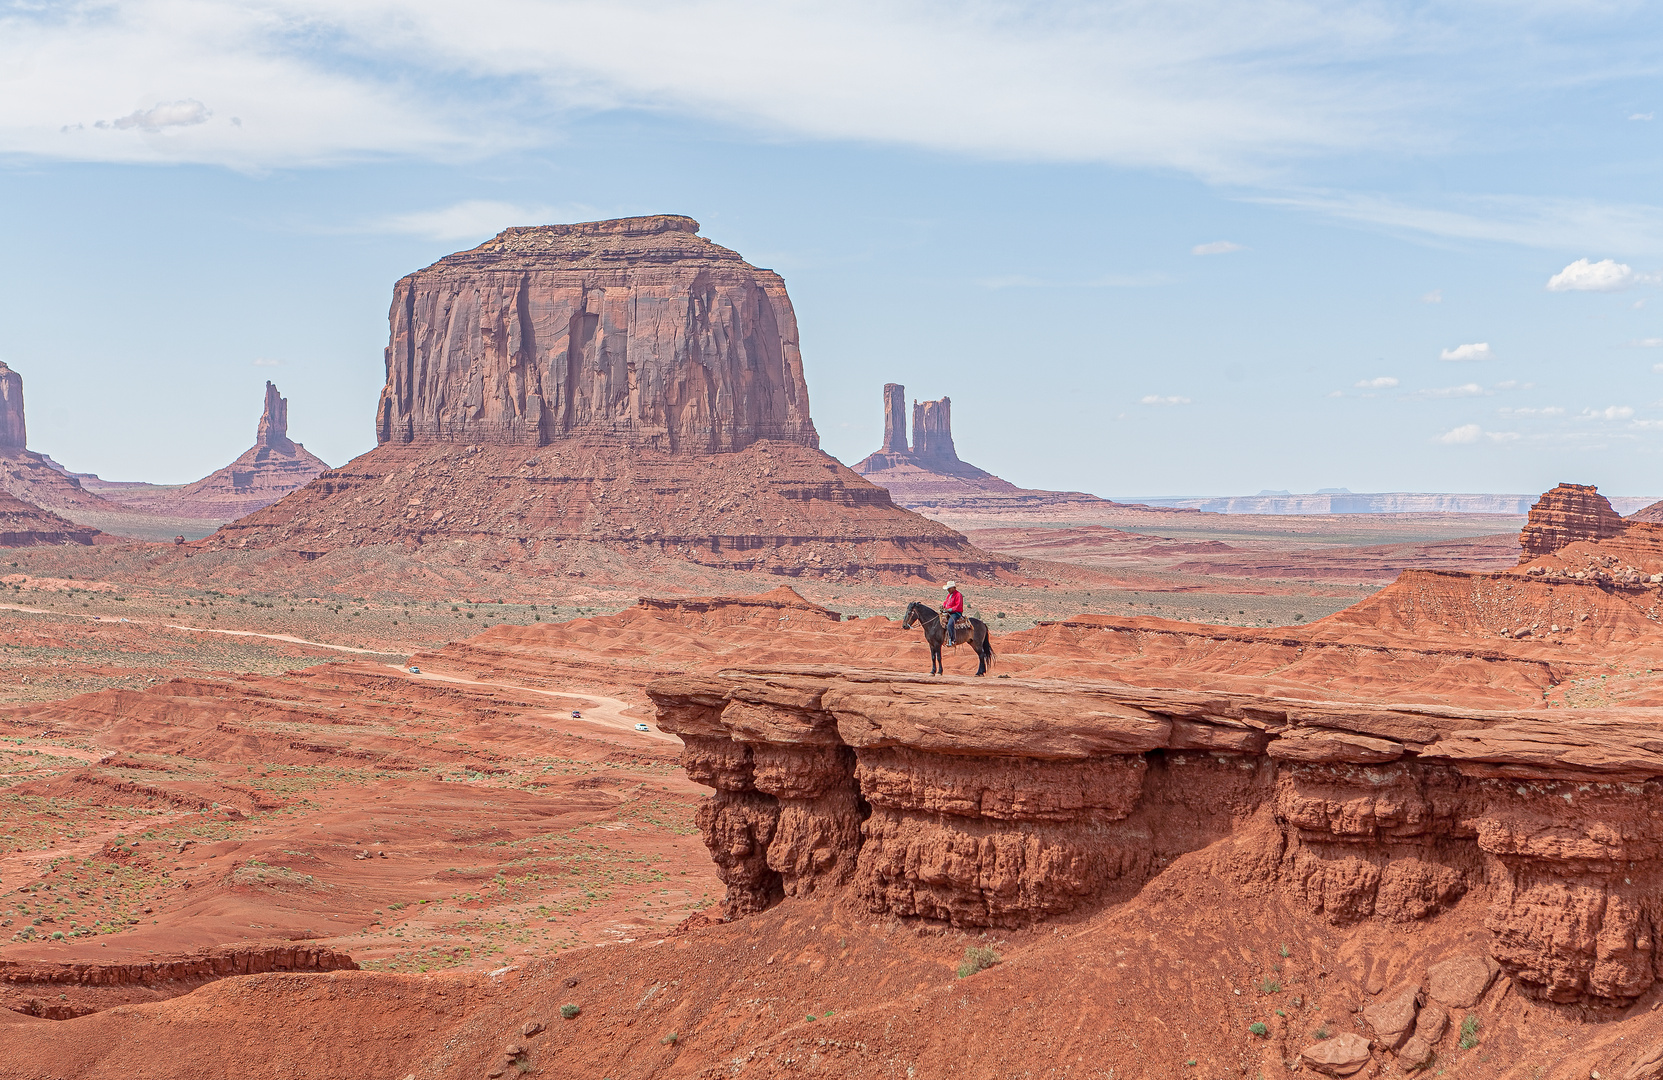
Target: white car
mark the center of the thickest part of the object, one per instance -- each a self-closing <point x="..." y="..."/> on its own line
<point x="414" y="670"/>
<point x="642" y="727"/>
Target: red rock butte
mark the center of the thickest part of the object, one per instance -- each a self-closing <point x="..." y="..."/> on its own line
<point x="637" y="329"/>
<point x="274" y="466"/>
<point x="626" y="384"/>
<point x="929" y="476"/>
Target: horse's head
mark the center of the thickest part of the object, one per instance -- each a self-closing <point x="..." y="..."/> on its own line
<point x="911" y="616"/>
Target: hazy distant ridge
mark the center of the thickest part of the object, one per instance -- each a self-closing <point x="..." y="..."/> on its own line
<point x="1390" y="502"/>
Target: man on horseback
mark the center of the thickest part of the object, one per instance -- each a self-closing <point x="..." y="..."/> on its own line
<point x="953" y="607"/>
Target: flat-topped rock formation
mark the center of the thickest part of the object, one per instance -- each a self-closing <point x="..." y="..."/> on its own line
<point x="26" y="525"/>
<point x="637" y="330"/>
<point x="997" y="804"/>
<point x="13" y="430"/>
<point x="930" y="477"/>
<point x="274" y="466"/>
<point x="616" y="388"/>
<point x="35" y="479"/>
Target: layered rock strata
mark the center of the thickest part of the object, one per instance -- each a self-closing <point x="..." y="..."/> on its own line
<point x="1001" y="804"/>
<point x="637" y="330"/>
<point x="23" y="525"/>
<point x="1568" y="513"/>
<point x="35" y="479"/>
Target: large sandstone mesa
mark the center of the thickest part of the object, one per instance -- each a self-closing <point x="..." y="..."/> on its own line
<point x="274" y="466"/>
<point x="615" y="387"/>
<point x="1003" y="804"/>
<point x="637" y="329"/>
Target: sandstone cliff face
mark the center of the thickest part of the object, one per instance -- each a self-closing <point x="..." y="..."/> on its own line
<point x="1001" y="805"/>
<point x="13" y="433"/>
<point x="1568" y="513"/>
<point x="637" y="330"/>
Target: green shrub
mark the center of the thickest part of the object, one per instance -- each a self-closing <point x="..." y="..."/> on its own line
<point x="569" y="1012"/>
<point x="1320" y="1033"/>
<point x="1270" y="986"/>
<point x="671" y="1039"/>
<point x="1258" y="1029"/>
<point x="1469" y="1032"/>
<point x="977" y="958"/>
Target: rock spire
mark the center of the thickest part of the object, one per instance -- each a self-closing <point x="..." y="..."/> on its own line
<point x="273" y="432"/>
<point x="894" y="419"/>
<point x="636" y="330"/>
<point x="13" y="435"/>
<point x="932" y="434"/>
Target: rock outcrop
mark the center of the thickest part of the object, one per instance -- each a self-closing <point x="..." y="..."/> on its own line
<point x="612" y="388"/>
<point x="1568" y="513"/>
<point x="1000" y="804"/>
<point x="930" y="477"/>
<point x="274" y="466"/>
<point x="636" y="330"/>
<point x="24" y="525"/>
<point x="13" y="432"/>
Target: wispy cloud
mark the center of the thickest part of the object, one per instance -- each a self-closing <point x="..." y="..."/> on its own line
<point x="1479" y="350"/>
<point x="1645" y="343"/>
<point x="1554" y="223"/>
<point x="1641" y="116"/>
<point x="266" y="361"/>
<point x="1610" y="412"/>
<point x="1157" y="399"/>
<point x="1144" y="280"/>
<point x="1436" y="296"/>
<point x="168" y="114"/>
<point x="1549" y="410"/>
<point x="1607" y="275"/>
<point x="1381" y="383"/>
<point x="1464" y="390"/>
<point x="1217" y="247"/>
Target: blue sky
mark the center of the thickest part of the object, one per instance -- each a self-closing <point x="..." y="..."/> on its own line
<point x="1173" y="248"/>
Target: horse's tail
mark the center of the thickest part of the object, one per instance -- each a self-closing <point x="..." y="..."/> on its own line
<point x="987" y="648"/>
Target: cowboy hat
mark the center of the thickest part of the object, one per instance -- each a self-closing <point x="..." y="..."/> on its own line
<point x="950" y="586"/>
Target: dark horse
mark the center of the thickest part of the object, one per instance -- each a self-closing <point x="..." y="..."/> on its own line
<point x="935" y="632"/>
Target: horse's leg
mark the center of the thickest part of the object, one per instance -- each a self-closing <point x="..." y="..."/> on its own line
<point x="978" y="643"/>
<point x="935" y="658"/>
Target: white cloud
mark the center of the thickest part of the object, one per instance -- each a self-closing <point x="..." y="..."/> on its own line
<point x="1502" y="436"/>
<point x="1641" y="116"/>
<point x="475" y="219"/>
<point x="1340" y="393"/>
<point x="1610" y="412"/>
<point x="1217" y="247"/>
<point x="164" y="115"/>
<point x="1607" y="275"/>
<point x="1646" y="343"/>
<point x="1157" y="399"/>
<point x="1549" y="410"/>
<point x="1476" y="351"/>
<point x="266" y="361"/>
<point x="1466" y="433"/>
<point x="1384" y="382"/>
<point x="1436" y="296"/>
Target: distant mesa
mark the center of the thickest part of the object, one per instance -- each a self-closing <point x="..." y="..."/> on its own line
<point x="274" y="466"/>
<point x="622" y="387"/>
<point x="929" y="476"/>
<point x="26" y="525"/>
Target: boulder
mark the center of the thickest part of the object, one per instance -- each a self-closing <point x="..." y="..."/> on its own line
<point x="1393" y="1017"/>
<point x="1460" y="981"/>
<point x="1342" y="1055"/>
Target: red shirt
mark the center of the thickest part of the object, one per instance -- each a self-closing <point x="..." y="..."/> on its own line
<point x="954" y="602"/>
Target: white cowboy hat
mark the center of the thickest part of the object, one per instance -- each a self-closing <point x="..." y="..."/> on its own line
<point x="950" y="586"/>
